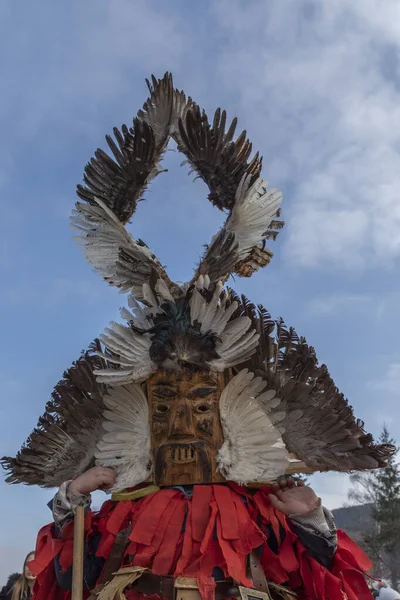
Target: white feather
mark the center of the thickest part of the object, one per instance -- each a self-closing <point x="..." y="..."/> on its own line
<point x="252" y="213"/>
<point x="237" y="344"/>
<point x="150" y="298"/>
<point x="163" y="291"/>
<point x="253" y="449"/>
<point x="132" y="350"/>
<point x="140" y="314"/>
<point x="207" y="323"/>
<point x="102" y="236"/>
<point x="197" y="306"/>
<point x="125" y="445"/>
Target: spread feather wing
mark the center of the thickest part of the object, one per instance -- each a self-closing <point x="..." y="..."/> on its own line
<point x="164" y="108"/>
<point x="218" y="159"/>
<point x="252" y="214"/>
<point x="120" y="183"/>
<point x="240" y="245"/>
<point x="317" y="424"/>
<point x="253" y="449"/>
<point x="112" y="251"/>
<point x="158" y="109"/>
<point x="115" y="185"/>
<point x="125" y="445"/>
<point x="64" y="442"/>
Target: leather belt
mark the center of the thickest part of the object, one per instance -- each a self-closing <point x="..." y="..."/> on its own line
<point x="257" y="574"/>
<point x="150" y="584"/>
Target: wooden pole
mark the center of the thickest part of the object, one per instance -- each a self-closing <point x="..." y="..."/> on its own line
<point x="77" y="563"/>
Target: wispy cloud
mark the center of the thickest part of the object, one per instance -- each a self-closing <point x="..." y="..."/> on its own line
<point x="320" y="82"/>
<point x="332" y="488"/>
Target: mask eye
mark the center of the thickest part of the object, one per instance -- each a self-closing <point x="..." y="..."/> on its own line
<point x="203" y="408"/>
<point x="162" y="409"/>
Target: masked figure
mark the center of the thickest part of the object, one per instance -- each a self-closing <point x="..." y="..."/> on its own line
<point x="193" y="411"/>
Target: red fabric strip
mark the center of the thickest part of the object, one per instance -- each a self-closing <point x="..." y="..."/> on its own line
<point x="272" y="567"/>
<point x="146" y="552"/>
<point x="200" y="514"/>
<point x="210" y="527"/>
<point x="236" y="563"/>
<point x="187" y="549"/>
<point x="345" y="542"/>
<point x="66" y="555"/>
<point x="227" y="512"/>
<point x="250" y="536"/>
<point x="47" y="548"/>
<point x="163" y="561"/>
<point x="117" y="517"/>
<point x="287" y="556"/>
<point x="268" y="512"/>
<point x="151" y="517"/>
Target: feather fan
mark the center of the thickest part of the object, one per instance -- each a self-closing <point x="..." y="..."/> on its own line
<point x="110" y="248"/>
<point x="253" y="449"/>
<point x="317" y="424"/>
<point x="125" y="445"/>
<point x="64" y="443"/>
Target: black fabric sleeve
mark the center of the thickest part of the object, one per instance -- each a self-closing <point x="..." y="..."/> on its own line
<point x="318" y="546"/>
<point x="92" y="567"/>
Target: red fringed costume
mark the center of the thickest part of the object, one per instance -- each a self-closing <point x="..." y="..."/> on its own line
<point x="175" y="535"/>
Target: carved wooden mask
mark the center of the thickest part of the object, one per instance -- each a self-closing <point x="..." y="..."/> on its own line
<point x="185" y="426"/>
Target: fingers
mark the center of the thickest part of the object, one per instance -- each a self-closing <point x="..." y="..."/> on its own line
<point x="276" y="503"/>
<point x="283" y="484"/>
<point x="105" y="478"/>
<point x="96" y="478"/>
<point x="104" y="472"/>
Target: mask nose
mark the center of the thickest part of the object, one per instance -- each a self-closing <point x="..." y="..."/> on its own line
<point x="180" y="424"/>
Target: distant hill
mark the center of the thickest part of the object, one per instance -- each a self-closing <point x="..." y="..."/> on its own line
<point x="355" y="520"/>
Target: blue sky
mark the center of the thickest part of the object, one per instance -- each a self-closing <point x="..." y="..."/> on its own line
<point x="316" y="85"/>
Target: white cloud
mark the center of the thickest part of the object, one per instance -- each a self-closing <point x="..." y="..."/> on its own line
<point x="320" y="81"/>
<point x="332" y="488"/>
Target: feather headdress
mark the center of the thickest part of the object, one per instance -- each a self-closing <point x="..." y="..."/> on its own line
<point x="279" y="400"/>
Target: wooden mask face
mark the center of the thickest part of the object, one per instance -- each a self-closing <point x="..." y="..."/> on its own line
<point x="185" y="426"/>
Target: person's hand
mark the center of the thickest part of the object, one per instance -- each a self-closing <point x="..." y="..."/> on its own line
<point x="292" y="499"/>
<point x="97" y="478"/>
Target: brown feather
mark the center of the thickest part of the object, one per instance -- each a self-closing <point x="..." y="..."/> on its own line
<point x="63" y="443"/>
<point x="319" y="426"/>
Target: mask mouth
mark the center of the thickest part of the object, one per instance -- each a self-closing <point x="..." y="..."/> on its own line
<point x="183" y="454"/>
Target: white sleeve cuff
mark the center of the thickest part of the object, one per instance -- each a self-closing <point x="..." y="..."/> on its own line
<point x="319" y="520"/>
<point x="65" y="503"/>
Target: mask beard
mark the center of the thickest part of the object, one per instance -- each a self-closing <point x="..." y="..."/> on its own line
<point x="183" y="464"/>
